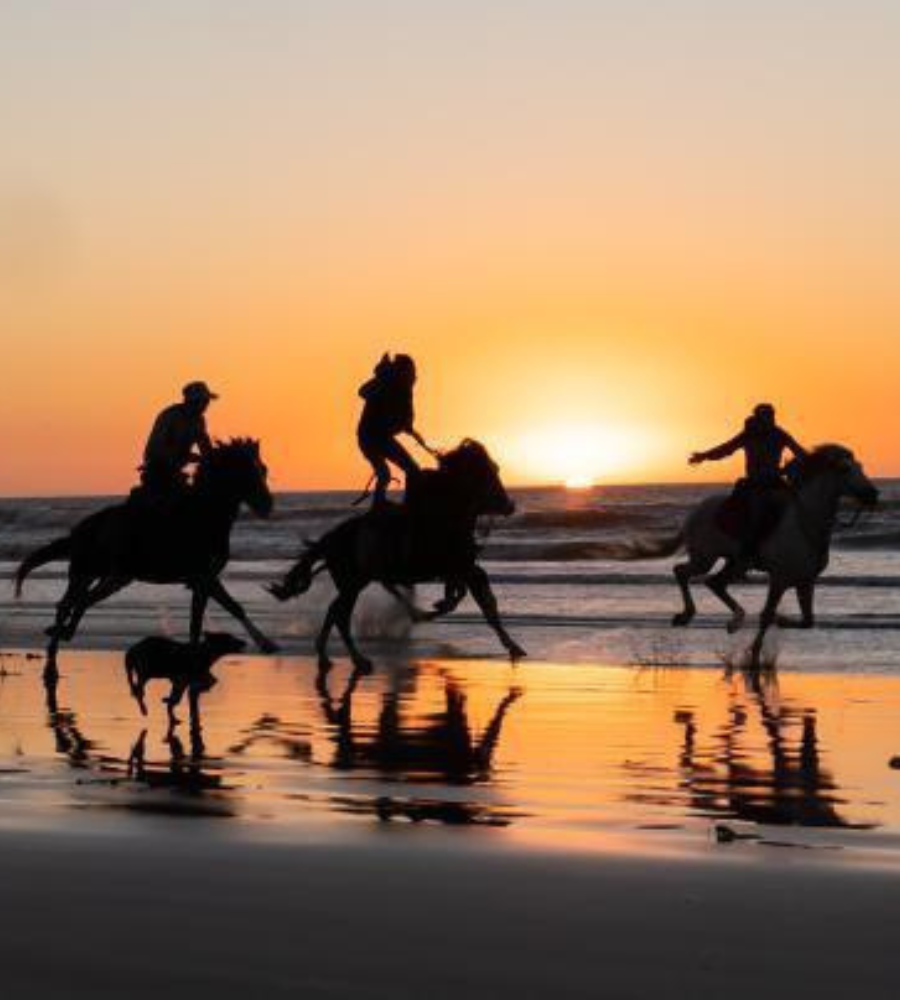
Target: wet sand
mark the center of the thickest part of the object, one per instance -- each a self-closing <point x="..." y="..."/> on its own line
<point x="169" y="914"/>
<point x="450" y="827"/>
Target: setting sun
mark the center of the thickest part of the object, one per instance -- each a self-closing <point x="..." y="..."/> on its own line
<point x="577" y="455"/>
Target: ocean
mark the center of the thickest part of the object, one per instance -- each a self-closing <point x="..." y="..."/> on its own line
<point x="562" y="598"/>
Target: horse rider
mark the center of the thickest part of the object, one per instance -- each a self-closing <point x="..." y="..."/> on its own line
<point x="759" y="495"/>
<point x="388" y="412"/>
<point x="179" y="438"/>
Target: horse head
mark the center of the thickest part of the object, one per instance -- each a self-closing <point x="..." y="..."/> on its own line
<point x="234" y="469"/>
<point x="477" y="477"/>
<point x="840" y="463"/>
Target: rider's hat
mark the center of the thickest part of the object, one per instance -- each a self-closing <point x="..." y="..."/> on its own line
<point x="196" y="392"/>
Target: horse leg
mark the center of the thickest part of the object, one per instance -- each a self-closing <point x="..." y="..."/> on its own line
<point x="402" y="594"/>
<point x="221" y="596"/>
<point x="343" y="613"/>
<point x="718" y="584"/>
<point x="199" y="600"/>
<point x="805" y="597"/>
<point x="684" y="573"/>
<point x="322" y="638"/>
<point x="766" y="620"/>
<point x="104" y="588"/>
<point x="480" y="588"/>
<point x="75" y="592"/>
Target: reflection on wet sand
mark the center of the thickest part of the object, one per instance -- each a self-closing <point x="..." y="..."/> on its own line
<point x="435" y="747"/>
<point x="779" y="783"/>
<point x="590" y="750"/>
<point x="184" y="772"/>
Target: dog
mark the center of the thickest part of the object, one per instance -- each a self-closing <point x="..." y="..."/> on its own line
<point x="185" y="665"/>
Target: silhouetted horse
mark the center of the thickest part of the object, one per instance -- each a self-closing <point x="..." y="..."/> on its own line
<point x="187" y="541"/>
<point x="430" y="538"/>
<point x="793" y="556"/>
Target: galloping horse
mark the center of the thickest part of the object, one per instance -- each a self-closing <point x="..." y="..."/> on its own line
<point x="794" y="555"/>
<point x="430" y="538"/>
<point x="187" y="543"/>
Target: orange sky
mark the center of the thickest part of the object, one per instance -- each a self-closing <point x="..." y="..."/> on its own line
<point x="607" y="223"/>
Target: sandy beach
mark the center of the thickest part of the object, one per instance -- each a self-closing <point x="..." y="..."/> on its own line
<point x="449" y="827"/>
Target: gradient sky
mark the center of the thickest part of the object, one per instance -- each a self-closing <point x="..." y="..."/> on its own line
<point x="604" y="229"/>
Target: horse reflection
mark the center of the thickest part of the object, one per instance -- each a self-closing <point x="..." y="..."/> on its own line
<point x="442" y="748"/>
<point x="71" y="743"/>
<point x="792" y="787"/>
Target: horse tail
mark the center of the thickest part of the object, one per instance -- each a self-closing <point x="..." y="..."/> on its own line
<point x="300" y="576"/>
<point x="648" y="548"/>
<point x="60" y="549"/>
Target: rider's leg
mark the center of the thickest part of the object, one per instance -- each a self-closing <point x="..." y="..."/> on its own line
<point x="373" y="450"/>
<point x="394" y="452"/>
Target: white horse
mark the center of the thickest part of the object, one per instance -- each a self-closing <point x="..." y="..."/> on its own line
<point x="794" y="554"/>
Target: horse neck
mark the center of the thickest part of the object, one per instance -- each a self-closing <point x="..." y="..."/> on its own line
<point x="817" y="505"/>
<point x="220" y="508"/>
<point x="456" y="505"/>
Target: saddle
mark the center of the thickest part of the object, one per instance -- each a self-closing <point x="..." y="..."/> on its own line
<point x="417" y="534"/>
<point x="752" y="511"/>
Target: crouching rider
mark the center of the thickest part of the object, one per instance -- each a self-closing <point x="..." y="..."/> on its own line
<point x="388" y="412"/>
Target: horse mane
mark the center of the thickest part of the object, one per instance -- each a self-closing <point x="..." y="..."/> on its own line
<point x="822" y="458"/>
<point x="467" y="450"/>
<point x="226" y="453"/>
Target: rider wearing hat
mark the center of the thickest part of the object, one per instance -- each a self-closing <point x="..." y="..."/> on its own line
<point x="388" y="412"/>
<point x="178" y="438"/>
<point x="759" y="494"/>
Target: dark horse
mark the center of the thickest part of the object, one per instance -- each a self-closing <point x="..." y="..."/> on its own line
<point x="187" y="541"/>
<point x="431" y="538"/>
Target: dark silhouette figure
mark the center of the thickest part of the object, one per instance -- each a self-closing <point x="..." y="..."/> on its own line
<point x="431" y="538"/>
<point x="187" y="667"/>
<point x="444" y="748"/>
<point x="187" y="544"/>
<point x="179" y="438"/>
<point x="388" y="412"/>
<point x="758" y="498"/>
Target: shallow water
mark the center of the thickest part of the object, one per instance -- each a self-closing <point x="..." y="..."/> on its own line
<point x="561" y="755"/>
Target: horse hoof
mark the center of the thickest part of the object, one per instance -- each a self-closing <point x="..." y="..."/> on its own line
<point x="681" y="619"/>
<point x="267" y="646"/>
<point x="517" y="653"/>
<point x="363" y="665"/>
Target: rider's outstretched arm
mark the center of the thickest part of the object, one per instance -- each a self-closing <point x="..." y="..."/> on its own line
<point x="720" y="451"/>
